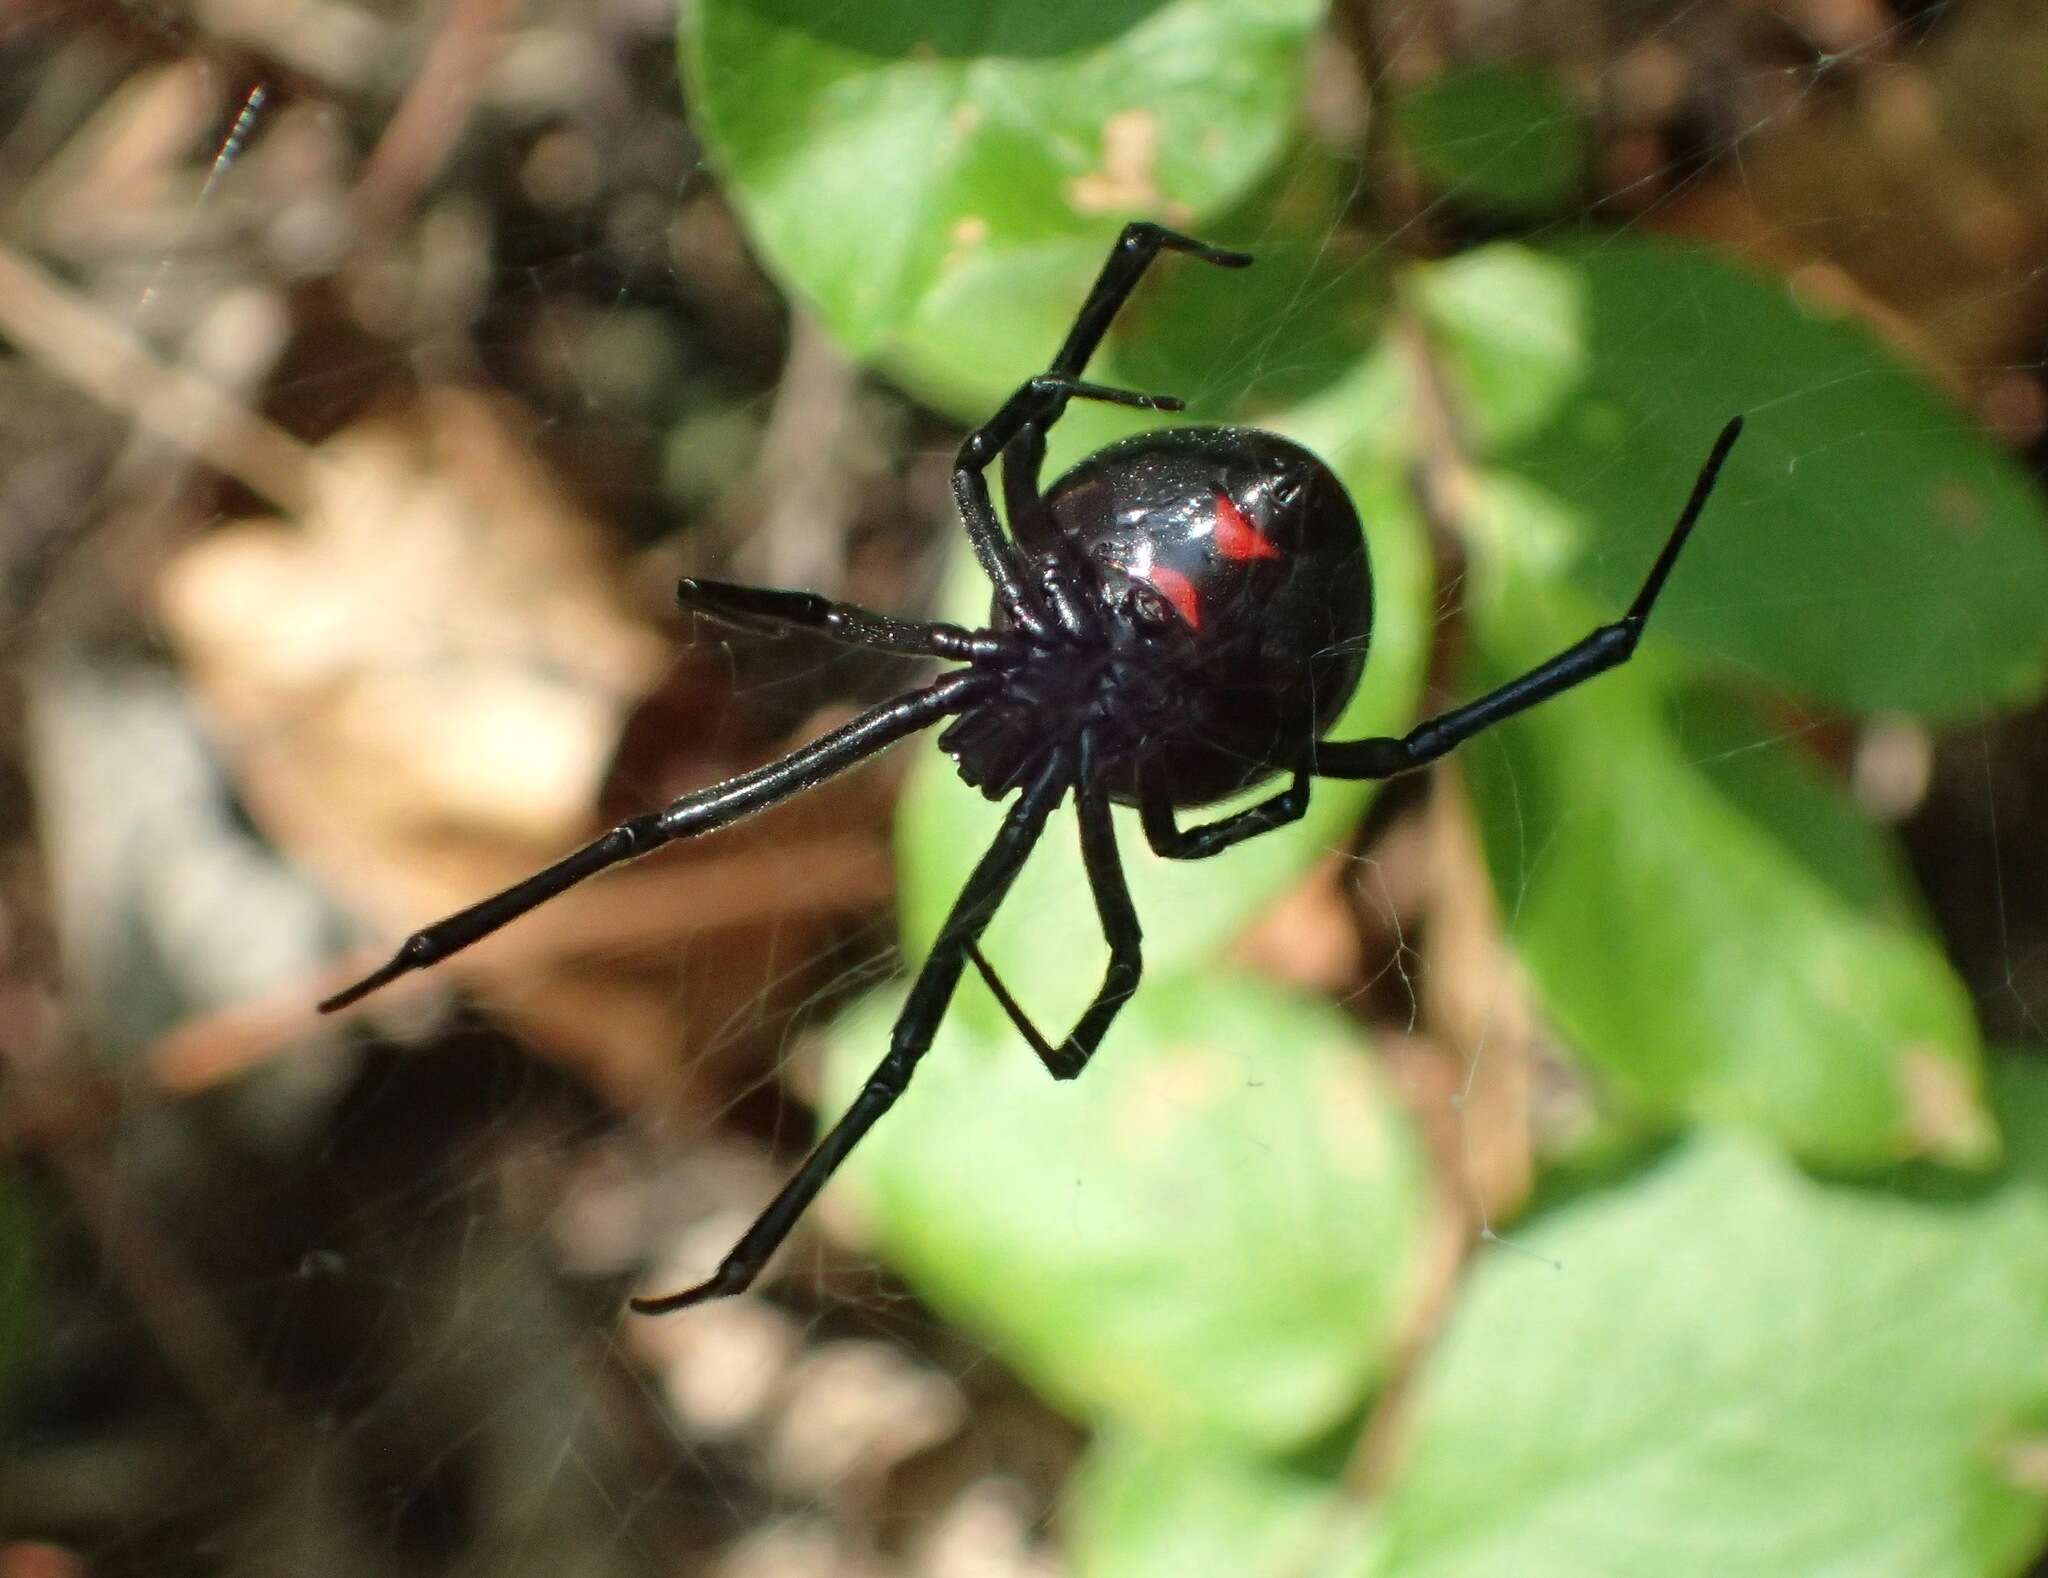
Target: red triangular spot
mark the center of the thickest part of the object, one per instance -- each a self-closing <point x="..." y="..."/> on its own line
<point x="1178" y="590"/>
<point x="1236" y="538"/>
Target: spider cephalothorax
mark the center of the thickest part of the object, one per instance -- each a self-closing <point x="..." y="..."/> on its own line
<point x="1177" y="618"/>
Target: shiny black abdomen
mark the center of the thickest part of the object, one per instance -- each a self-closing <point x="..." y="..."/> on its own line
<point x="1232" y="575"/>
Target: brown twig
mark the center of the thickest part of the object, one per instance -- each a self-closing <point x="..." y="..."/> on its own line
<point x="63" y="332"/>
<point x="424" y="128"/>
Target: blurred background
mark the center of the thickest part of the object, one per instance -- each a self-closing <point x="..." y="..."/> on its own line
<point x="1625" y="1151"/>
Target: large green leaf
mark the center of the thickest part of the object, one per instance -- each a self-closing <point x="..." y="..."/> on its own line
<point x="1710" y="1366"/>
<point x="2019" y="1088"/>
<point x="1496" y="136"/>
<point x="875" y="149"/>
<point x="1143" y="1508"/>
<point x="1727" y="1368"/>
<point x="1712" y="923"/>
<point x="1213" y="1229"/>
<point x="1868" y="545"/>
<point x="1046" y="939"/>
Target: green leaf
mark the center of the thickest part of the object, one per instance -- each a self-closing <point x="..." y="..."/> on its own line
<point x="1046" y="938"/>
<point x="1710" y="921"/>
<point x="1495" y="136"/>
<point x="1213" y="1229"/>
<point x="1868" y="545"/>
<point x="2019" y="1087"/>
<point x="874" y="149"/>
<point x="1728" y="1368"/>
<point x="1143" y="1508"/>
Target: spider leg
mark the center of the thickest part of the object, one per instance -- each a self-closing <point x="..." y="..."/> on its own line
<point x="1038" y="402"/>
<point x="1174" y="842"/>
<point x="1606" y="648"/>
<point x="1132" y="254"/>
<point x="1119" y="919"/>
<point x="908" y="1042"/>
<point x="703" y="812"/>
<point x="754" y="608"/>
<point x="1129" y="257"/>
<point x="1023" y="460"/>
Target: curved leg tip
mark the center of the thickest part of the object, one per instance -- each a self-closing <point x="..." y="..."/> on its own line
<point x="374" y="981"/>
<point x="1144" y="234"/>
<point x="722" y="1283"/>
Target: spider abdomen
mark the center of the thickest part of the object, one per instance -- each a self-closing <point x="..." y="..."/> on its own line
<point x="1230" y="574"/>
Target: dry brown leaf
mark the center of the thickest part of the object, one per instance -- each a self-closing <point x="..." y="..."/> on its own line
<point x="430" y="686"/>
<point x="421" y="681"/>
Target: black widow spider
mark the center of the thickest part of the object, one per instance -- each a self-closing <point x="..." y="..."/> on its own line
<point x="1178" y="618"/>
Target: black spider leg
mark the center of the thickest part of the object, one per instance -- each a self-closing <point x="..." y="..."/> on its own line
<point x="1605" y="648"/>
<point x="1128" y="259"/>
<point x="1119" y="919"/>
<point x="703" y="812"/>
<point x="1133" y="253"/>
<point x="772" y="613"/>
<point x="1018" y="430"/>
<point x="1174" y="842"/>
<point x="908" y="1042"/>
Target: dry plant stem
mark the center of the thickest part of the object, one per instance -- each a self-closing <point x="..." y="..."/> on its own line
<point x="1471" y="998"/>
<point x="1388" y="885"/>
<point x="1440" y="479"/>
<point x="188" y="1330"/>
<point x="1474" y="1000"/>
<point x="1377" y="1453"/>
<point x="801" y="536"/>
<point x="1308" y="936"/>
<point x="65" y="334"/>
<point x="1474" y="1108"/>
<point x="421" y="132"/>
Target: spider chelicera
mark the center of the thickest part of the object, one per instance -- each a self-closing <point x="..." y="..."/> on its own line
<point x="1179" y="618"/>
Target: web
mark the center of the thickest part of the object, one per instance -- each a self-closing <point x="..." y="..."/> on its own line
<point x="368" y="380"/>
